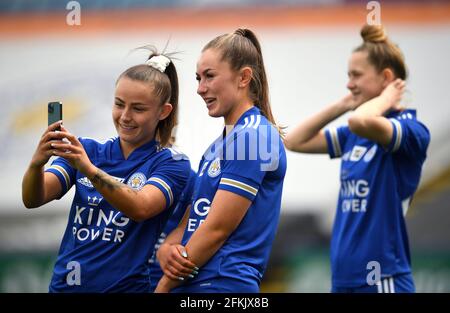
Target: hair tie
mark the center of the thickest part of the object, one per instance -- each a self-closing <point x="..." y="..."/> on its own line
<point x="159" y="62"/>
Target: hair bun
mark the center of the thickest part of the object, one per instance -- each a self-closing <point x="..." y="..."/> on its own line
<point x="373" y="33"/>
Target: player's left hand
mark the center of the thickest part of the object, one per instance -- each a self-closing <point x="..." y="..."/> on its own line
<point x="393" y="94"/>
<point x="175" y="263"/>
<point x="73" y="151"/>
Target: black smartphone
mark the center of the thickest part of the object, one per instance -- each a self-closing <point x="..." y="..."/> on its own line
<point x="54" y="112"/>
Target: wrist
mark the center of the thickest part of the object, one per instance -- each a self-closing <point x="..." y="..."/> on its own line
<point x="165" y="282"/>
<point x="168" y="283"/>
<point x="344" y="106"/>
<point x="161" y="249"/>
<point x="35" y="166"/>
<point x="90" y="172"/>
<point x="386" y="104"/>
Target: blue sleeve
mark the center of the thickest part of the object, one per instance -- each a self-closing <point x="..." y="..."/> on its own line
<point x="183" y="203"/>
<point x="65" y="173"/>
<point x="409" y="137"/>
<point x="254" y="153"/>
<point x="171" y="177"/>
<point x="336" y="138"/>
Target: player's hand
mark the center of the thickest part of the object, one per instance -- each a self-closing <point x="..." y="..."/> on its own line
<point x="72" y="150"/>
<point x="175" y="263"/>
<point x="44" y="149"/>
<point x="393" y="94"/>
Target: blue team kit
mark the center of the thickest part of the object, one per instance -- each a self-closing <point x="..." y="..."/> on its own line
<point x="377" y="186"/>
<point x="250" y="161"/>
<point x="102" y="249"/>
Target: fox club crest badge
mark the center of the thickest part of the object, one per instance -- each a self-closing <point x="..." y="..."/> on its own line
<point x="214" y="168"/>
<point x="137" y="181"/>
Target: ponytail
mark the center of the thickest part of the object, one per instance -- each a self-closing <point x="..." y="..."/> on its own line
<point x="241" y="48"/>
<point x="164" y="81"/>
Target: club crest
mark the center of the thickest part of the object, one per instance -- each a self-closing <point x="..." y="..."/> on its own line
<point x="137" y="181"/>
<point x="214" y="168"/>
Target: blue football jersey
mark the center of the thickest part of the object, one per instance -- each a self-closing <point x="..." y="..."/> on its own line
<point x="251" y="162"/>
<point x="102" y="249"/>
<point x="377" y="185"/>
<point x="175" y="219"/>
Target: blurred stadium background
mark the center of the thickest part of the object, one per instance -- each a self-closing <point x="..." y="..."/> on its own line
<point x="306" y="45"/>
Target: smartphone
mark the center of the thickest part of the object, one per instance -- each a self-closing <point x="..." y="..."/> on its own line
<point x="54" y="112"/>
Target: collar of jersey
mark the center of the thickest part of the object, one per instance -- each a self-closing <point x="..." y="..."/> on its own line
<point x="240" y="122"/>
<point x="253" y="110"/>
<point x="143" y="151"/>
<point x="224" y="139"/>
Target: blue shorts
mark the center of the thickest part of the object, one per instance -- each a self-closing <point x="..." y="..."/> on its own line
<point x="402" y="283"/>
<point x="219" y="285"/>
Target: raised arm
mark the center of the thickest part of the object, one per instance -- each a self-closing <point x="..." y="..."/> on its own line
<point x="308" y="136"/>
<point x="368" y="120"/>
<point x="38" y="187"/>
<point x="138" y="205"/>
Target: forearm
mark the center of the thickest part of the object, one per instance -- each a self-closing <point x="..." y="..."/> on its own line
<point x="121" y="196"/>
<point x="377" y="106"/>
<point x="368" y="120"/>
<point x="166" y="284"/>
<point x="204" y="243"/>
<point x="226" y="213"/>
<point x="33" y="193"/>
<point x="176" y="235"/>
<point x="174" y="238"/>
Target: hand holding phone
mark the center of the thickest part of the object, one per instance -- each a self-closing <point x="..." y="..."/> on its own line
<point x="54" y="113"/>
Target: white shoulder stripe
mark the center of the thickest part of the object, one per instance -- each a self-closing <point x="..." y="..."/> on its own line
<point x="335" y="141"/>
<point x="258" y="121"/>
<point x="246" y="122"/>
<point x="163" y="184"/>
<point x="63" y="172"/>
<point x="252" y="120"/>
<point x="398" y="138"/>
<point x="239" y="185"/>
